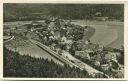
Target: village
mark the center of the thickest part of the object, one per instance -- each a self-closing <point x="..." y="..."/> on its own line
<point x="69" y="41"/>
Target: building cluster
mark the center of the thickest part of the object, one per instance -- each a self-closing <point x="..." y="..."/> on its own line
<point x="58" y="34"/>
<point x="96" y="56"/>
<point x="62" y="36"/>
<point x="65" y="38"/>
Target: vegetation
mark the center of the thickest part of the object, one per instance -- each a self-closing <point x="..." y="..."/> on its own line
<point x="16" y="65"/>
<point x="99" y="57"/>
<point x="26" y="11"/>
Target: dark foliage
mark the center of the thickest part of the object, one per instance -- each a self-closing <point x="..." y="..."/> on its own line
<point x="67" y="11"/>
<point x="16" y="65"/>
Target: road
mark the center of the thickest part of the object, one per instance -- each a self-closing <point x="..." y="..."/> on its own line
<point x="77" y="63"/>
<point x="12" y="37"/>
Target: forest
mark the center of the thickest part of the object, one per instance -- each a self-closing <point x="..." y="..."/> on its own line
<point x="13" y="11"/>
<point x="16" y="65"/>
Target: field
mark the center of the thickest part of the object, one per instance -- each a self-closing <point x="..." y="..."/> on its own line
<point x="107" y="33"/>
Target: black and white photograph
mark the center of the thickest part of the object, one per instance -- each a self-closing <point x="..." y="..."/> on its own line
<point x="60" y="40"/>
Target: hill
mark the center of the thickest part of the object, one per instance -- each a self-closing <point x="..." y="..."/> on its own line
<point x="67" y="11"/>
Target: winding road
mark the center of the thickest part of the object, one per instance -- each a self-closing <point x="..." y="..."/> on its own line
<point x="9" y="39"/>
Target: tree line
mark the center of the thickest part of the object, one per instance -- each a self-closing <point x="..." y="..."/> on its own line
<point x="68" y="11"/>
<point x="16" y="65"/>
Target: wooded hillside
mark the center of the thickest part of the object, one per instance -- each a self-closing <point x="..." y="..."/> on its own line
<point x="70" y="11"/>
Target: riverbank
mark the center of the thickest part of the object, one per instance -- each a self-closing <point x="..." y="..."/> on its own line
<point x="107" y="33"/>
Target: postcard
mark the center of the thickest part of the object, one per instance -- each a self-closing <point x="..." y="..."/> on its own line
<point x="63" y="40"/>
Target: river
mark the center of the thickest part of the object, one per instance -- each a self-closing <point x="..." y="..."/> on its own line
<point x="107" y="33"/>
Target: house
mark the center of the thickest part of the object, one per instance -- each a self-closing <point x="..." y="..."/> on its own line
<point x="69" y="30"/>
<point x="63" y="31"/>
<point x="119" y="74"/>
<point x="100" y="18"/>
<point x="67" y="55"/>
<point x="38" y="24"/>
<point x="62" y="23"/>
<point x="87" y="42"/>
<point x="82" y="54"/>
<point x="100" y="47"/>
<point x="97" y="63"/>
<point x="93" y="47"/>
<point x="98" y="14"/>
<point x="57" y="34"/>
<point x="51" y="25"/>
<point x="37" y="15"/>
<point x="68" y="44"/>
<point x="89" y="51"/>
<point x="105" y="67"/>
<point x="111" y="56"/>
<point x="63" y="39"/>
<point x="23" y="17"/>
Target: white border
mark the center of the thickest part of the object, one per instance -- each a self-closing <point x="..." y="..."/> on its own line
<point x="1" y="39"/>
<point x="66" y="1"/>
<point x="126" y="39"/>
<point x="125" y="2"/>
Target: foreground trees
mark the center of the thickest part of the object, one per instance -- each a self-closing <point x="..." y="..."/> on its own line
<point x="16" y="65"/>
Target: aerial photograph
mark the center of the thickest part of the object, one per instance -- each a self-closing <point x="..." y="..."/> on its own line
<point x="55" y="40"/>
